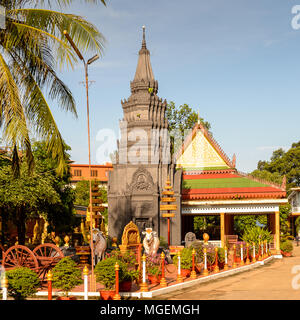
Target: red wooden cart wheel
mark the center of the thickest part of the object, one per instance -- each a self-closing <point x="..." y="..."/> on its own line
<point x="47" y="255"/>
<point x="19" y="256"/>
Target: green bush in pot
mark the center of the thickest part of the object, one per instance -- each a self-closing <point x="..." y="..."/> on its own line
<point x="185" y="258"/>
<point x="22" y="283"/>
<point x="66" y="275"/>
<point x="106" y="274"/>
<point x="286" y="246"/>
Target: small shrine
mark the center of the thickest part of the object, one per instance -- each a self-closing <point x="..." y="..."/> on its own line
<point x="131" y="240"/>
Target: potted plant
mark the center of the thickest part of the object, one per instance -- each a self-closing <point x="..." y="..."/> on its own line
<point x="131" y="273"/>
<point x="199" y="262"/>
<point x="106" y="274"/>
<point x="22" y="283"/>
<point x="221" y="257"/>
<point x="286" y="248"/>
<point x="129" y="277"/>
<point x="185" y="261"/>
<point x="153" y="266"/>
<point x="66" y="276"/>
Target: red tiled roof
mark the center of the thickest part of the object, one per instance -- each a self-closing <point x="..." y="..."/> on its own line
<point x="227" y="184"/>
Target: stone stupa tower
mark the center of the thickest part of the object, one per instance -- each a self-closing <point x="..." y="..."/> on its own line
<point x="142" y="161"/>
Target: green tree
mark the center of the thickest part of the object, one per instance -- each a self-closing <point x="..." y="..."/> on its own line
<point x="26" y="196"/>
<point x="208" y="224"/>
<point x="32" y="46"/>
<point x="244" y="221"/>
<point x="82" y="195"/>
<point x="274" y="177"/>
<point x="60" y="214"/>
<point x="282" y="164"/>
<point x="181" y="119"/>
<point x="43" y="192"/>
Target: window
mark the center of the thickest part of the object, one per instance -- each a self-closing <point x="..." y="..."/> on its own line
<point x="77" y="173"/>
<point x="94" y="173"/>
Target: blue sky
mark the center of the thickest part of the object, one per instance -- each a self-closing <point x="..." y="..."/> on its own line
<point x="237" y="62"/>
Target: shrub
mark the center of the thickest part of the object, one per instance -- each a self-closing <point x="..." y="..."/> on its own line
<point x="129" y="259"/>
<point x="286" y="246"/>
<point x="198" y="246"/>
<point x="256" y="235"/>
<point x="153" y="265"/>
<point x="106" y="274"/>
<point x="186" y="258"/>
<point x="66" y="275"/>
<point x="22" y="283"/>
<point x="221" y="255"/>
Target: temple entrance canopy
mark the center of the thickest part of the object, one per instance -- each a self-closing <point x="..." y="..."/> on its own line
<point x="211" y="185"/>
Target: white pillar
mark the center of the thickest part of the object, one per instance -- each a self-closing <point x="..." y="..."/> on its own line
<point x="242" y="254"/>
<point x="4" y="284"/>
<point x="85" y="282"/>
<point x="179" y="265"/>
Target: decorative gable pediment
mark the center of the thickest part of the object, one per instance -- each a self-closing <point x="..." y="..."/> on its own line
<point x="200" y="153"/>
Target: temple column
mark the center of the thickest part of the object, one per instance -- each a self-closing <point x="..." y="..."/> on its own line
<point x="222" y="228"/>
<point x="277" y="232"/>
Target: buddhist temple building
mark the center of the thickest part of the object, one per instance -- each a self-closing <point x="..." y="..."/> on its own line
<point x="204" y="180"/>
<point x="211" y="185"/>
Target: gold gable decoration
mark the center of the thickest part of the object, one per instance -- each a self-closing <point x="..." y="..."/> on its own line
<point x="200" y="153"/>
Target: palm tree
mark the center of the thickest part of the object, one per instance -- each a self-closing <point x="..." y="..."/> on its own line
<point x="32" y="46"/>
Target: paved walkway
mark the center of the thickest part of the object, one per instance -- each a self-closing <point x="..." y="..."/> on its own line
<point x="272" y="281"/>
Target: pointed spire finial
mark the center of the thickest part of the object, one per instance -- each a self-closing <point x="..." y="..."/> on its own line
<point x="144" y="38"/>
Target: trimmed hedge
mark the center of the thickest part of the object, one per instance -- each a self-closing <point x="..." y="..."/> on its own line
<point x="22" y="283"/>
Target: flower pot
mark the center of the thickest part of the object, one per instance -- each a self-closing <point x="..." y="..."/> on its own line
<point x="107" y="294"/>
<point x="237" y="260"/>
<point x="125" y="286"/>
<point x="221" y="265"/>
<point x="66" y="298"/>
<point x="199" y="267"/>
<point x="153" y="279"/>
<point x="185" y="272"/>
<point x="286" y="254"/>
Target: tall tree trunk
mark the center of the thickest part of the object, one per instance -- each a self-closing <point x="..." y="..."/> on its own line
<point x="21" y="226"/>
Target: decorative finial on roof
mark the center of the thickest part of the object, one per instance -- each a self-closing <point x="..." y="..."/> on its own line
<point x="233" y="160"/>
<point x="144" y="38"/>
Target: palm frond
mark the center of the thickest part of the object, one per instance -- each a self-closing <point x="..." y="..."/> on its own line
<point x="39" y="115"/>
<point x="52" y="24"/>
<point x="37" y="58"/>
<point x="15" y="130"/>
